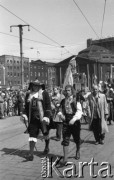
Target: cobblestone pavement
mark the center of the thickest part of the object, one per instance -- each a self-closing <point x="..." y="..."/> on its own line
<point x="14" y="145"/>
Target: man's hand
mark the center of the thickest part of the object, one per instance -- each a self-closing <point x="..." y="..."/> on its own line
<point x="61" y="115"/>
<point x="46" y="119"/>
<point x="71" y="122"/>
<point x="23" y="118"/>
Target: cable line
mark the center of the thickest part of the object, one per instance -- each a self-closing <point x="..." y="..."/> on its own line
<point x="34" y="28"/>
<point x="103" y="18"/>
<point x="28" y="39"/>
<point x="86" y="18"/>
<point x="30" y="25"/>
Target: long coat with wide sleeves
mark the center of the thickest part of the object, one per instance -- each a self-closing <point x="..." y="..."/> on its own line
<point x="102" y="110"/>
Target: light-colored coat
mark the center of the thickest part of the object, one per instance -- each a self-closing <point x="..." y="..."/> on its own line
<point x="102" y="110"/>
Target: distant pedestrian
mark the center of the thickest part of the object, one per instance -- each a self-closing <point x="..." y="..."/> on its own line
<point x="1" y="106"/>
<point x="55" y="104"/>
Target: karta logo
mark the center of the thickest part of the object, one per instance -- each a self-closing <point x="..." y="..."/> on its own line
<point x="50" y="168"/>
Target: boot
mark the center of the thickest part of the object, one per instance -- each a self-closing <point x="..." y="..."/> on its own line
<point x="65" y="152"/>
<point x="46" y="150"/>
<point x="65" y="157"/>
<point x="30" y="156"/>
<point x="78" y="151"/>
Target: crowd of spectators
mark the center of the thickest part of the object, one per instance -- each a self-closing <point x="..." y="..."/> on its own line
<point x="11" y="103"/>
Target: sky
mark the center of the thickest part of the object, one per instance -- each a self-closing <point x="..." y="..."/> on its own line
<point x="58" y="29"/>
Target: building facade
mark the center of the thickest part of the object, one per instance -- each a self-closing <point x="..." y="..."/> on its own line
<point x="45" y="72"/>
<point x="2" y="75"/>
<point x="107" y="43"/>
<point x="38" y="70"/>
<point x="100" y="64"/>
<point x="13" y="70"/>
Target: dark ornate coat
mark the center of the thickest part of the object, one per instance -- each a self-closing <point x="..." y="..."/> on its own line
<point x="45" y="103"/>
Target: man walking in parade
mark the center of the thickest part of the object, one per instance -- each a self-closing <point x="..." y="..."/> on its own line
<point x="98" y="114"/>
<point x="71" y="113"/>
<point x="37" y="111"/>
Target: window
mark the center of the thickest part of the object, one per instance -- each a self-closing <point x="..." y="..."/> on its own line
<point x="31" y="73"/>
<point x="42" y="74"/>
<point x="35" y="74"/>
<point x="7" y="61"/>
<point x="10" y="61"/>
<point x="38" y="73"/>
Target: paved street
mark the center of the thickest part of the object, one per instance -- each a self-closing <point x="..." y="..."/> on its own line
<point x="14" y="145"/>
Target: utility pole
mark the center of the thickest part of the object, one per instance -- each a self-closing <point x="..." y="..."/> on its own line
<point x="21" y="49"/>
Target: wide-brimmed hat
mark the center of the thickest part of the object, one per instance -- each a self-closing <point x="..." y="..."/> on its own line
<point x="34" y="83"/>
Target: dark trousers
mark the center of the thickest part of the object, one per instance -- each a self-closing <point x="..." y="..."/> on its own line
<point x="97" y="130"/>
<point x="36" y="125"/>
<point x="69" y="130"/>
<point x="59" y="126"/>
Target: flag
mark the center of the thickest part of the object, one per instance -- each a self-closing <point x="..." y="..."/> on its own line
<point x="68" y="78"/>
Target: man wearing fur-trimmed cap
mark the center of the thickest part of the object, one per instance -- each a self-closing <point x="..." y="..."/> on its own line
<point x="38" y="112"/>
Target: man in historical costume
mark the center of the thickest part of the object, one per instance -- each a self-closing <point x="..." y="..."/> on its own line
<point x="98" y="114"/>
<point x="37" y="111"/>
<point x="71" y="113"/>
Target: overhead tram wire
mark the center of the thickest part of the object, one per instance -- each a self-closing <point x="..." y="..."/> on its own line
<point x="103" y="18"/>
<point x="35" y="28"/>
<point x="28" y="39"/>
<point x="35" y="41"/>
<point x="28" y="23"/>
<point x="85" y="18"/>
